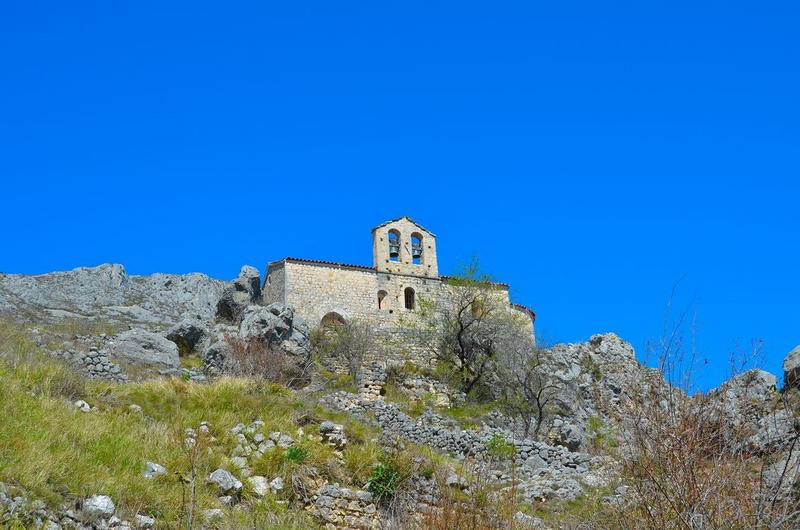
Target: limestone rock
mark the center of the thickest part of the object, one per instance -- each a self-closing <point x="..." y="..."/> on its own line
<point x="154" y="470"/>
<point x="140" y="346"/>
<point x="276" y="324"/>
<point x="99" y="506"/>
<point x="249" y="281"/>
<point x="108" y="293"/>
<point x="224" y="481"/>
<point x="143" y="521"/>
<point x="344" y="508"/>
<point x="246" y="290"/>
<point x="333" y="435"/>
<point x="213" y="514"/>
<point x="276" y="484"/>
<point x="791" y="368"/>
<point x="187" y="335"/>
<point x="259" y="485"/>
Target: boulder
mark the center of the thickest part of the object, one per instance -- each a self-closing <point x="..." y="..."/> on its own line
<point x="143" y="521"/>
<point x="566" y="434"/>
<point x="213" y="514"/>
<point x="259" y="485"/>
<point x="791" y="368"/>
<point x="333" y="434"/>
<point x="277" y="324"/>
<point x="214" y="357"/>
<point x="144" y="347"/>
<point x="225" y="482"/>
<point x="245" y="291"/>
<point x="249" y="281"/>
<point x="187" y="335"/>
<point x="99" y="506"/>
<point x="276" y="484"/>
<point x="154" y="470"/>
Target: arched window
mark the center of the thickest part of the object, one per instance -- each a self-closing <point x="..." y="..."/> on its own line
<point x="394" y="245"/>
<point x="416" y="248"/>
<point x="381" y="299"/>
<point x="332" y="319"/>
<point x="409" y="296"/>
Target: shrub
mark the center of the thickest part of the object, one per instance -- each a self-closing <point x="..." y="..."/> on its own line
<point x="500" y="448"/>
<point x="295" y="454"/>
<point x="384" y="481"/>
<point x="261" y="359"/>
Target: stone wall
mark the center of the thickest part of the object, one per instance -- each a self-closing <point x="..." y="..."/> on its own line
<point x="274" y="288"/>
<point x="404" y="264"/>
<point x="317" y="289"/>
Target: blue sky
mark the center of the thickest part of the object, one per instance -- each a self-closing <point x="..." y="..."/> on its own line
<point x="590" y="153"/>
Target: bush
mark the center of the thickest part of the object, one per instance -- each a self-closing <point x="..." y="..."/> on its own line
<point x="295" y="454"/>
<point x="500" y="448"/>
<point x="261" y="359"/>
<point x="384" y="481"/>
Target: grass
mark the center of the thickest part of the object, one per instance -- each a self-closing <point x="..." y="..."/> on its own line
<point x="192" y="362"/>
<point x="54" y="451"/>
<point x="334" y="381"/>
<point x="57" y="453"/>
<point x="469" y="413"/>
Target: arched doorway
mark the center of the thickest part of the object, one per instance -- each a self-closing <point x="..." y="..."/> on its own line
<point x="332" y="319"/>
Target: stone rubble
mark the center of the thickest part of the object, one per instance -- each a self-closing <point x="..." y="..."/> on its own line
<point x="345" y="509"/>
<point x="545" y="471"/>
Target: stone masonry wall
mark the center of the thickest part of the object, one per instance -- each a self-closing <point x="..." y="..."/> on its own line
<point x="404" y="264"/>
<point x="274" y="288"/>
<point x="316" y="289"/>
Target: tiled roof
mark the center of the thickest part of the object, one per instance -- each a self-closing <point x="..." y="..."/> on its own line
<point x="526" y="309"/>
<point x="323" y="262"/>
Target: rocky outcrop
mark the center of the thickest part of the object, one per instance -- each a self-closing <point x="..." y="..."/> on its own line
<point x="246" y="290"/>
<point x="745" y="398"/>
<point x="143" y="347"/>
<point x="791" y="368"/>
<point x="596" y="378"/>
<point x="752" y="413"/>
<point x="277" y="325"/>
<point x="108" y="293"/>
<point x="188" y="335"/>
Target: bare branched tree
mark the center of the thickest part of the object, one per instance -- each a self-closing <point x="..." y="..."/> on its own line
<point x="527" y="389"/>
<point x="464" y="328"/>
<point x="348" y="342"/>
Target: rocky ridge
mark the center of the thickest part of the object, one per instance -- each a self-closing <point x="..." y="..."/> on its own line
<point x="173" y="316"/>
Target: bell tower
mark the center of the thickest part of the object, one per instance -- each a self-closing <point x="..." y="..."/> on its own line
<point x="402" y="246"/>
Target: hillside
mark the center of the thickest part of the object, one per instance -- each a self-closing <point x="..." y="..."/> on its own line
<point x="181" y="401"/>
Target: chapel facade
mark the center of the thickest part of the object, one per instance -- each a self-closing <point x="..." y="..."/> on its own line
<point x="387" y="294"/>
